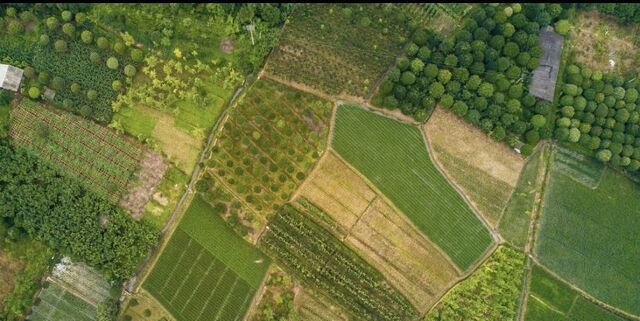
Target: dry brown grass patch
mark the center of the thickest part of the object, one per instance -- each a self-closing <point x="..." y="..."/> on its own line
<point x="598" y="38"/>
<point x="9" y="267"/>
<point x="462" y="140"/>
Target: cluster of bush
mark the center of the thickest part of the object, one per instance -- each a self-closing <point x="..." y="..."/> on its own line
<point x="601" y="112"/>
<point x="481" y="73"/>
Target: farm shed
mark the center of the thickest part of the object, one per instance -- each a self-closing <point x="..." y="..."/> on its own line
<point x="545" y="76"/>
<point x="10" y="77"/>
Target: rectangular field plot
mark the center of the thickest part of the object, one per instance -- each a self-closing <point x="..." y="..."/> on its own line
<point x="552" y="300"/>
<point x="383" y="236"/>
<point x="393" y="156"/>
<point x="324" y="264"/>
<point x="485" y="170"/>
<point x="57" y="304"/>
<point x="269" y="143"/>
<point x="338" y="48"/>
<point x="206" y="271"/>
<point x="589" y="236"/>
<point x="96" y="155"/>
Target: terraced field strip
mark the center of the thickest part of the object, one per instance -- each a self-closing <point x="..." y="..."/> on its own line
<point x="206" y="271"/>
<point x="588" y="236"/>
<point x="98" y="157"/>
<point x="340" y="198"/>
<point x="57" y="304"/>
<point x="393" y="156"/>
<point x="324" y="264"/>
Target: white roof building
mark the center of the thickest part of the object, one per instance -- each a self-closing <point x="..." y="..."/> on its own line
<point x="10" y="77"/>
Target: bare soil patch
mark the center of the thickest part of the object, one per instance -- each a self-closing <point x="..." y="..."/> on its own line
<point x="152" y="168"/>
<point x="226" y="46"/>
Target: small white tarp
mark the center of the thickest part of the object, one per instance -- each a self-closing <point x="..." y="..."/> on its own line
<point x="10" y="77"/>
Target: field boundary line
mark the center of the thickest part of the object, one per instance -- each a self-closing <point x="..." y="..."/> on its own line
<point x="298" y="86"/>
<point x="586" y="295"/>
<point x="534" y="224"/>
<point x="259" y="294"/>
<point x="395" y="208"/>
<point x="149" y="262"/>
<point x="524" y="295"/>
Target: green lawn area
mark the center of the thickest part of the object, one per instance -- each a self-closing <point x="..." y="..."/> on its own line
<point x="589" y="237"/>
<point x="514" y="224"/>
<point x="552" y="300"/>
<point x="206" y="226"/>
<point x="393" y="156"/>
<point x="206" y="272"/>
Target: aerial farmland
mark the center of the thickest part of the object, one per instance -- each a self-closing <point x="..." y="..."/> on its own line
<point x="319" y="162"/>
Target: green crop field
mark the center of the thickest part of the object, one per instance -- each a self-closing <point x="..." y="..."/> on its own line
<point x="104" y="161"/>
<point x="515" y="220"/>
<point x="551" y="300"/>
<point x="339" y="48"/>
<point x="56" y="304"/>
<point x="589" y="236"/>
<point x="206" y="272"/>
<point x="270" y="141"/>
<point x="492" y="291"/>
<point x="394" y="157"/>
<point x="320" y="260"/>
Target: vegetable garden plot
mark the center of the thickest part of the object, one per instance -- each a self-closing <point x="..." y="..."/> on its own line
<point x="193" y="285"/>
<point x="338" y="48"/>
<point x="97" y="156"/>
<point x="269" y="143"/>
<point x="552" y="300"/>
<point x="323" y="263"/>
<point x="206" y="272"/>
<point x="56" y="304"/>
<point x="393" y="156"/>
<point x="492" y="292"/>
<point x="589" y="236"/>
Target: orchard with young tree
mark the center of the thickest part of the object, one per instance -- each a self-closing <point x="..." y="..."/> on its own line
<point x="601" y="112"/>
